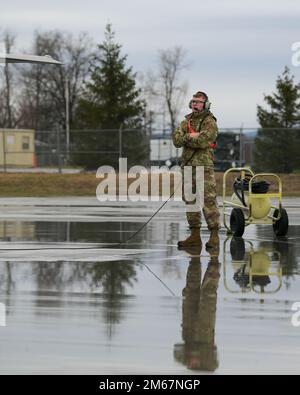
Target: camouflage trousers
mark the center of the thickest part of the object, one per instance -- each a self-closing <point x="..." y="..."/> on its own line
<point x="210" y="206"/>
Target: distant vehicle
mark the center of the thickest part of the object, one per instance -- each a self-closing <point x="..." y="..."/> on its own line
<point x="226" y="155"/>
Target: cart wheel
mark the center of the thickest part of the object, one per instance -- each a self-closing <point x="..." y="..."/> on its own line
<point x="237" y="222"/>
<point x="281" y="226"/>
<point x="237" y="248"/>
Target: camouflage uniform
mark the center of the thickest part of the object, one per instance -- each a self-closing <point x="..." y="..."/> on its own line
<point x="199" y="147"/>
<point x="199" y="307"/>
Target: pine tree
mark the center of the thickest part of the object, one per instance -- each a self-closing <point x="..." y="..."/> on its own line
<point x="111" y="101"/>
<point x="278" y="141"/>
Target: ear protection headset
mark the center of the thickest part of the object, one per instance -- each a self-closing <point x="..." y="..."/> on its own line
<point x="207" y="103"/>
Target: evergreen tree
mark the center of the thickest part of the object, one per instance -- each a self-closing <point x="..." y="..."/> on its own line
<point x="111" y="101"/>
<point x="278" y="141"/>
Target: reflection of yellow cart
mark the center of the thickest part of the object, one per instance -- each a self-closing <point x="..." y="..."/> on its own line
<point x="253" y="268"/>
<point x="251" y="202"/>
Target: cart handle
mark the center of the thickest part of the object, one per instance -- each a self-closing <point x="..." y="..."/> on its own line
<point x="231" y="170"/>
<point x="268" y="175"/>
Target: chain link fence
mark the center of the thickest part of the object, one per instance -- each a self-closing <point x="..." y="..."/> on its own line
<point x="86" y="150"/>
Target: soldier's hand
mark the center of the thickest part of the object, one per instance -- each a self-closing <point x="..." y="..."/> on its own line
<point x="194" y="134"/>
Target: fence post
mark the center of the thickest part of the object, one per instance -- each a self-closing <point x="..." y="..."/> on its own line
<point x="120" y="140"/>
<point x="58" y="150"/>
<point x="159" y="140"/>
<point x="67" y="94"/>
<point x="241" y="145"/>
<point x="4" y="151"/>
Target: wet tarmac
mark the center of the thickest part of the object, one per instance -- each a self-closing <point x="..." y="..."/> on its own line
<point x="78" y="303"/>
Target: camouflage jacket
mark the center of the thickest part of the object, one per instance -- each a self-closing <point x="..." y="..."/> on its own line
<point x="206" y="124"/>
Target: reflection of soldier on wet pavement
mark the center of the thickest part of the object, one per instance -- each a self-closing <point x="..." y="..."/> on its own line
<point x="199" y="352"/>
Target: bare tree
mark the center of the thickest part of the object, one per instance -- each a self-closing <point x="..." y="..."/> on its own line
<point x="171" y="64"/>
<point x="151" y="93"/>
<point x="44" y="93"/>
<point x="8" y="114"/>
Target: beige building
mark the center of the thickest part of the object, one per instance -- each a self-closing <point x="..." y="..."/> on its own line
<point x="14" y="230"/>
<point x="17" y="148"/>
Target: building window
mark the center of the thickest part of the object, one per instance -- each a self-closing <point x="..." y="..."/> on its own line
<point x="10" y="139"/>
<point x="25" y="143"/>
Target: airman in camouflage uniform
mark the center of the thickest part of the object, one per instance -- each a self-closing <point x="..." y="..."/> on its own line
<point x="197" y="135"/>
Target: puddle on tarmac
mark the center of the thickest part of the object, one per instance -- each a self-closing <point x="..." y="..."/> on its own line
<point x="79" y="305"/>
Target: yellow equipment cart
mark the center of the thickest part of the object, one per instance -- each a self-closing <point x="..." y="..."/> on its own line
<point x="251" y="203"/>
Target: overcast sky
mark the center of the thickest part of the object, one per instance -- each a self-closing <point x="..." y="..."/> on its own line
<point x="236" y="48"/>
